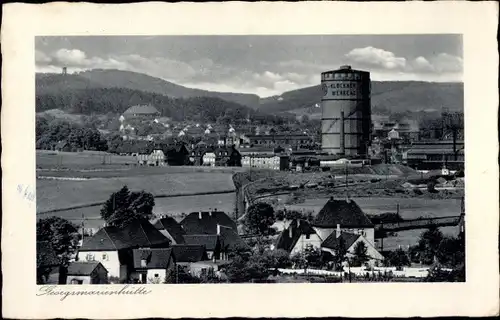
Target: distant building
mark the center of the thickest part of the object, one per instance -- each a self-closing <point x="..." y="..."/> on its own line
<point x="227" y="157"/>
<point x="141" y="111"/>
<point x="155" y="158"/>
<point x="280" y="139"/>
<point x="436" y="154"/>
<point x="264" y="161"/>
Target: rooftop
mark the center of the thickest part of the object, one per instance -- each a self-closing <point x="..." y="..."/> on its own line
<point x="155" y="258"/>
<point x="332" y="241"/>
<point x="189" y="252"/>
<point x="346" y="213"/>
<point x="82" y="268"/>
<point x="135" y="235"/>
<point x="172" y="227"/>
<point x="142" y="109"/>
<point x="204" y="222"/>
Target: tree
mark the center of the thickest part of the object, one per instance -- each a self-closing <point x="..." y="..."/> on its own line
<point x="398" y="259"/>
<point x="124" y="207"/>
<point x="60" y="233"/>
<point x="340" y="252"/>
<point x="360" y="254"/>
<point x="259" y="218"/>
<point x="313" y="256"/>
<point x="428" y="244"/>
<point x="451" y="252"/>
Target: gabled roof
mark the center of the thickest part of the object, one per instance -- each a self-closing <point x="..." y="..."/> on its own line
<point x="46" y="255"/>
<point x="189" y="252"/>
<point x="286" y="242"/>
<point x="135" y="235"/>
<point x="344" y="212"/>
<point x="192" y="224"/>
<point x="230" y="240"/>
<point x="142" y="109"/>
<point x="209" y="241"/>
<point x="155" y="258"/>
<point x="332" y="241"/>
<point x="172" y="227"/>
<point x="82" y="268"/>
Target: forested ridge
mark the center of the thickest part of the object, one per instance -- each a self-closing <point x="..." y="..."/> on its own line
<point x="116" y="100"/>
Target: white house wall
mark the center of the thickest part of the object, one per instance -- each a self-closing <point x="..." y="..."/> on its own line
<point x="314" y="240"/>
<point x="109" y="259"/>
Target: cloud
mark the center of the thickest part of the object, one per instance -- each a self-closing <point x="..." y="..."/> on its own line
<point x="73" y="57"/>
<point x="376" y="57"/>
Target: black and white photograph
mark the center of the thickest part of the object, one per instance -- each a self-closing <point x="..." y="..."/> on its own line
<point x="256" y="160"/>
<point x="250" y="159"/>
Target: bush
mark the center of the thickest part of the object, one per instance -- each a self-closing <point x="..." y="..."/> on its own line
<point x="431" y="187"/>
<point x="418" y="191"/>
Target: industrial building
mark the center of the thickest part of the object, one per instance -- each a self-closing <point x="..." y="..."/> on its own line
<point x="346" y="117"/>
<point x="437" y="154"/>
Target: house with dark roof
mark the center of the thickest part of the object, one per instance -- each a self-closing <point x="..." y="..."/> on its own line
<point x="113" y="246"/>
<point x="153" y="266"/>
<point x="48" y="264"/>
<point x="189" y="253"/>
<point x="227" y="157"/>
<point x="345" y="214"/>
<point x="176" y="155"/>
<point x="349" y="241"/>
<point x="86" y="273"/>
<point x="211" y="242"/>
<point x="141" y="111"/>
<point x="171" y="229"/>
<point x="205" y="222"/>
<point x="297" y="236"/>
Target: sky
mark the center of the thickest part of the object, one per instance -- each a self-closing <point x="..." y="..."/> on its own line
<point x="262" y="65"/>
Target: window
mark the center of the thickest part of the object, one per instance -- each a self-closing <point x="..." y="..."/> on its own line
<point x="89" y="257"/>
<point x="308" y="236"/>
<point x="105" y="256"/>
<point x="156" y="275"/>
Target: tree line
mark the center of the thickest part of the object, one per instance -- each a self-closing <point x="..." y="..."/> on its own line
<point x="117" y="100"/>
<point x="49" y="132"/>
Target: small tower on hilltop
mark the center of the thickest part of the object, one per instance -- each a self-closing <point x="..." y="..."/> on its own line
<point x="64" y="71"/>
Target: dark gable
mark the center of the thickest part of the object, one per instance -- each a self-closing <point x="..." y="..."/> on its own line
<point x="344" y="212"/>
<point x="192" y="224"/>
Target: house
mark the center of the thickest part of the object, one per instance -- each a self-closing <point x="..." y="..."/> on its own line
<point x="262" y="161"/>
<point x="113" y="246"/>
<point x="48" y="264"/>
<point x="155" y="158"/>
<point x="346" y="214"/>
<point x="86" y="273"/>
<point x="227" y="157"/>
<point x="211" y="243"/>
<point x="185" y="254"/>
<point x="171" y="229"/>
<point x="176" y="155"/>
<point x="430" y="155"/>
<point x="153" y="266"/>
<point x="141" y="111"/>
<point x="280" y="139"/>
<point x="297" y="236"/>
<point x="62" y="146"/>
<point x="202" y="155"/>
<point x="350" y="240"/>
<point x="204" y="222"/>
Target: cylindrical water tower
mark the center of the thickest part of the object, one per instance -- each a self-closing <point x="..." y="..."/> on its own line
<point x="346" y="105"/>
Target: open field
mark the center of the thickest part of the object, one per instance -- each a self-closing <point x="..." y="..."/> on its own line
<point x="171" y="206"/>
<point x="74" y="160"/>
<point x="56" y="194"/>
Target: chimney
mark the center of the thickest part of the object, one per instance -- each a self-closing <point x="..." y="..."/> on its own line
<point x="338" y="230"/>
<point x="210" y="213"/>
<point x="199" y="215"/>
<point x="144" y="263"/>
<point x="331" y="198"/>
<point x="218" y="229"/>
<point x="290" y="235"/>
<point x="298" y="222"/>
